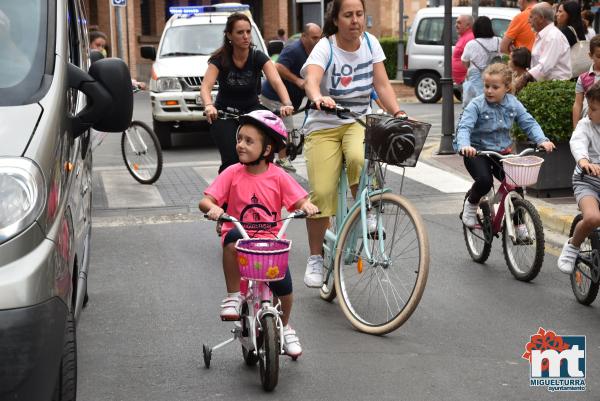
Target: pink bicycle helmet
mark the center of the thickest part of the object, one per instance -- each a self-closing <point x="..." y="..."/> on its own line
<point x="270" y="124"/>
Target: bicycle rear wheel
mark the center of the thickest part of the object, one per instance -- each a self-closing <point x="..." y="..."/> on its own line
<point x="584" y="288"/>
<point x="141" y="153"/>
<point x="525" y="256"/>
<point x="269" y="353"/>
<point x="378" y="296"/>
<point x="479" y="239"/>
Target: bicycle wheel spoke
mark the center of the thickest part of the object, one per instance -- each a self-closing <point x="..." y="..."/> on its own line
<point x="376" y="291"/>
<point x="141" y="153"/>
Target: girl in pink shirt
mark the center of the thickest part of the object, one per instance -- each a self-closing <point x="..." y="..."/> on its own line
<point x="255" y="191"/>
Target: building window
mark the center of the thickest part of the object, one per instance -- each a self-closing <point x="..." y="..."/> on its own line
<point x="145" y="12"/>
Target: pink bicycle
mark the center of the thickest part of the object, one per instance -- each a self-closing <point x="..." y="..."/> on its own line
<point x="260" y="329"/>
<point x="522" y="231"/>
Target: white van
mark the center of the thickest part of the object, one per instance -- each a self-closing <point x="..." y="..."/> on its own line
<point x="424" y="61"/>
<point x="190" y="36"/>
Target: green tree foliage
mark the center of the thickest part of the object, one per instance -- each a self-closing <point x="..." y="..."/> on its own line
<point x="550" y="103"/>
<point x="390" y="49"/>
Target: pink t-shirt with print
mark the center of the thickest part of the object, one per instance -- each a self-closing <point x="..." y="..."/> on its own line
<point x="256" y="200"/>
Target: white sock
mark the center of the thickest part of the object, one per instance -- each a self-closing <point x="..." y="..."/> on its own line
<point x="234" y="294"/>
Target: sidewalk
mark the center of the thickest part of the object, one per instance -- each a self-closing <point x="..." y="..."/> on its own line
<point x="556" y="213"/>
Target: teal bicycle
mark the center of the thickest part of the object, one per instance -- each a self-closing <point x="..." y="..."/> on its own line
<point x="376" y="250"/>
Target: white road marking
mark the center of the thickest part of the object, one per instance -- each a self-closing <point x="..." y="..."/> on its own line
<point x="122" y="191"/>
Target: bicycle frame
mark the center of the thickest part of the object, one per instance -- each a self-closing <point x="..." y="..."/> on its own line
<point x="343" y="211"/>
<point x="503" y="198"/>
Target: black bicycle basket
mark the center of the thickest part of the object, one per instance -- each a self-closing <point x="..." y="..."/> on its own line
<point x="395" y="141"/>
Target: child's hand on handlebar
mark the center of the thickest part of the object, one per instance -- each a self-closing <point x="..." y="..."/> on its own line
<point x="210" y="111"/>
<point x="468" y="151"/>
<point x="215" y="212"/>
<point x="285" y="111"/>
<point x="548" y="146"/>
<point x="589" y="168"/>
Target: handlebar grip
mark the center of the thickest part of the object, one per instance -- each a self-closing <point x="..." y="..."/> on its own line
<point x="223" y="217"/>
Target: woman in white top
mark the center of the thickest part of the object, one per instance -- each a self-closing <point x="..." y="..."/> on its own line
<point x="587" y="17"/>
<point x="343" y="68"/>
<point x="478" y="54"/>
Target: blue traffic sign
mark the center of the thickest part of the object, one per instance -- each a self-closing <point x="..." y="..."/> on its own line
<point x="119" y="3"/>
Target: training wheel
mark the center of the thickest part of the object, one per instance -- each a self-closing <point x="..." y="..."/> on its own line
<point x="207" y="353"/>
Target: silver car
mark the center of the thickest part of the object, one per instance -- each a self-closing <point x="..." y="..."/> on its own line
<point x="49" y="100"/>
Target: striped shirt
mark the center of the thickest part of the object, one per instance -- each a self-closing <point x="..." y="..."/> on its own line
<point x="348" y="78"/>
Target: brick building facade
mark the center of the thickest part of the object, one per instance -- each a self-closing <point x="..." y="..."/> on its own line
<point x="141" y="22"/>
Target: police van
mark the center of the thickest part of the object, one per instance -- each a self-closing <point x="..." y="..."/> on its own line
<point x="190" y="36"/>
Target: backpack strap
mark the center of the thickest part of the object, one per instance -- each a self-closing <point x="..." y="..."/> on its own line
<point x="331" y="49"/>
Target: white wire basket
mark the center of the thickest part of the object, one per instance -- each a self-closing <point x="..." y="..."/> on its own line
<point x="523" y="170"/>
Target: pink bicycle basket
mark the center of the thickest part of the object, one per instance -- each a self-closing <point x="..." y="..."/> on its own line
<point x="522" y="171"/>
<point x="263" y="259"/>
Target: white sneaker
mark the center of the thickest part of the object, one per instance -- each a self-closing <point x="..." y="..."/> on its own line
<point x="523" y="235"/>
<point x="371" y="222"/>
<point x="313" y="276"/>
<point x="469" y="214"/>
<point x="291" y="343"/>
<point x="568" y="257"/>
<point x="230" y="308"/>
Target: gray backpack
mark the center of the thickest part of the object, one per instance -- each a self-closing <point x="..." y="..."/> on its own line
<point x="493" y="56"/>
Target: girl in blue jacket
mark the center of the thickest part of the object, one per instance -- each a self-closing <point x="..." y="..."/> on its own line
<point x="485" y="125"/>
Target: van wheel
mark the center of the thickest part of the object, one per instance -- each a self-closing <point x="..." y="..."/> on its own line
<point x="427" y="88"/>
<point x="163" y="132"/>
<point x="66" y="383"/>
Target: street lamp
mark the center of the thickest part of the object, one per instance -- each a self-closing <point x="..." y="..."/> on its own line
<point x="446" y="147"/>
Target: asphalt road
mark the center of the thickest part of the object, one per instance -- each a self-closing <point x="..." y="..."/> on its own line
<point x="156" y="283"/>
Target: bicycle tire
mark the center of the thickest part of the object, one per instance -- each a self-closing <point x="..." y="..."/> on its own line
<point x="533" y="250"/>
<point x="146" y="162"/>
<point x="476" y="238"/>
<point x="584" y="289"/>
<point x="269" y="355"/>
<point x="409" y="230"/>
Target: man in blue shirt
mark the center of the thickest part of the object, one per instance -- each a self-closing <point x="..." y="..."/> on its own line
<point x="288" y="65"/>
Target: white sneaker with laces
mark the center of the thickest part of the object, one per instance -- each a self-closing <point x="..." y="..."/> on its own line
<point x="523" y="234"/>
<point x="568" y="257"/>
<point x="313" y="276"/>
<point x="230" y="308"/>
<point x="469" y="214"/>
<point x="291" y="343"/>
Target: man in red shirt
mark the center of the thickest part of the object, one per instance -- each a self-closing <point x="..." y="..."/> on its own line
<point x="519" y="33"/>
<point x="464" y="23"/>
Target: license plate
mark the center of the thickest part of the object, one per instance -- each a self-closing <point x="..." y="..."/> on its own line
<point x="199" y="100"/>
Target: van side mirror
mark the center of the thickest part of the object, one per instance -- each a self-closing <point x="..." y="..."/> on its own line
<point x="275" y="47"/>
<point x="148" y="52"/>
<point x="110" y="96"/>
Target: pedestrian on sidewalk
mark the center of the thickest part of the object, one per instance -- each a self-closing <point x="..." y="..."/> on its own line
<point x="520" y="61"/>
<point x="519" y="33"/>
<point x="485" y="124"/>
<point x="478" y="54"/>
<point x="464" y="28"/>
<point x="290" y="61"/>
<point x="585" y="81"/>
<point x="585" y="147"/>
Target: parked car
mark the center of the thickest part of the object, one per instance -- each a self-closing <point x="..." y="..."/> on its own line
<point x="48" y="103"/>
<point x="190" y="36"/>
<point x="424" y="61"/>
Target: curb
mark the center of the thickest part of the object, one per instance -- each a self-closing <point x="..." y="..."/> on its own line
<point x="559" y="223"/>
